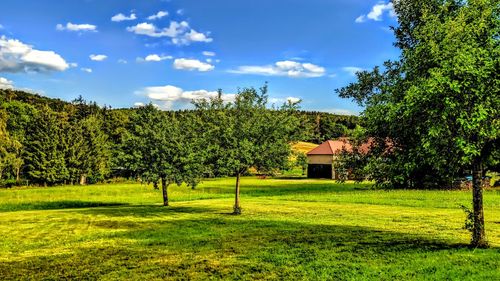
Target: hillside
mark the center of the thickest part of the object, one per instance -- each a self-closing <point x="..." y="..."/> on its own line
<point x="303" y="146"/>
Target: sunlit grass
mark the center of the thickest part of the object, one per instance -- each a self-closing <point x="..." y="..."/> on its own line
<point x="290" y="229"/>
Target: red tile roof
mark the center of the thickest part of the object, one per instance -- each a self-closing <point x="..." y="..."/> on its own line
<point x="332" y="147"/>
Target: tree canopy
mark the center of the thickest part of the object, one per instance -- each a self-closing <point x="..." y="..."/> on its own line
<point x="434" y="113"/>
<point x="245" y="133"/>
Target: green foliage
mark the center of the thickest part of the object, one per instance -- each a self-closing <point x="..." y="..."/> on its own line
<point x="245" y="133"/>
<point x="436" y="109"/>
<point x="45" y="148"/>
<point x="161" y="147"/>
<point x="469" y="218"/>
<point x="301" y="161"/>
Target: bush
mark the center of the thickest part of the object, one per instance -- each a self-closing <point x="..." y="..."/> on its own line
<point x="9" y="183"/>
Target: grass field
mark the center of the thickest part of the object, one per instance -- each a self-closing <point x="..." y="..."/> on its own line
<point x="290" y="230"/>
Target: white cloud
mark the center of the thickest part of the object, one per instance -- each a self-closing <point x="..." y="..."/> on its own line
<point x="121" y="17"/>
<point x="283" y="100"/>
<point x="98" y="57"/>
<point x="360" y="19"/>
<point x="293" y="99"/>
<point x="122" y="61"/>
<point x="191" y="36"/>
<point x="352" y="70"/>
<point x="179" y="32"/>
<point x="208" y="54"/>
<point x="283" y="68"/>
<point x="88" y="70"/>
<point x="180" y="12"/>
<point x="16" y="56"/>
<point x="73" y="64"/>
<point x="139" y="104"/>
<point x="377" y="12"/>
<point x="171" y="94"/>
<point x="77" y="27"/>
<point x="155" y="57"/>
<point x="6" y="84"/>
<point x="192" y="64"/>
<point x="158" y="15"/>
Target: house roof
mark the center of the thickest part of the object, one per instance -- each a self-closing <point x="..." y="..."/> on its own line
<point x="333" y="147"/>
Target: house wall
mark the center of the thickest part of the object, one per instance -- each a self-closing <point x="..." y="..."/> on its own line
<point x="322" y="166"/>
<point x="320" y="159"/>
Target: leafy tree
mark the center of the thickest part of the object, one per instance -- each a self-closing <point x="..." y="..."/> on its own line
<point x="435" y="112"/>
<point x="159" y="149"/>
<point x="245" y="133"/>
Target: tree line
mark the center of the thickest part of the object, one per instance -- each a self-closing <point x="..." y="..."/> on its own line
<point x="46" y="141"/>
<point x="50" y="142"/>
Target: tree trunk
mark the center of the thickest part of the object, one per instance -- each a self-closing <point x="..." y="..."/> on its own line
<point x="83" y="179"/>
<point x="18" y="172"/>
<point x="164" y="187"/>
<point x="478" y="232"/>
<point x="155" y="185"/>
<point x="237" y="208"/>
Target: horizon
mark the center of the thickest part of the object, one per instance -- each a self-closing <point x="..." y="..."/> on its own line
<point x="124" y="54"/>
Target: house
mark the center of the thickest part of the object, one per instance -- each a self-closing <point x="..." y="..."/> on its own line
<point x="322" y="159"/>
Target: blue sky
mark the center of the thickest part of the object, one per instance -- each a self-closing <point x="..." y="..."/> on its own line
<point x="123" y="53"/>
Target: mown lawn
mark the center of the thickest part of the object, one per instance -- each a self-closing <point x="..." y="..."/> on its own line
<point x="290" y="230"/>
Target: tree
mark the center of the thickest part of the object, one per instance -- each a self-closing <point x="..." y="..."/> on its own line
<point x="159" y="149"/>
<point x="45" y="150"/>
<point x="301" y="161"/>
<point x="245" y="133"/>
<point x="436" y="110"/>
<point x="87" y="150"/>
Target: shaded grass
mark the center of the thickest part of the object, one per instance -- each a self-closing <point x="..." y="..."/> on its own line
<point x="290" y="230"/>
<point x="51" y="205"/>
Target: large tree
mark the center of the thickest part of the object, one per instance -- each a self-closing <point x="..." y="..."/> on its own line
<point x="246" y="133"/>
<point x="435" y="112"/>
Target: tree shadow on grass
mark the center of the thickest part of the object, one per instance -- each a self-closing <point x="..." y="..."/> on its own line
<point x="145" y="210"/>
<point x="54" y="205"/>
<point x="306" y="186"/>
<point x="244" y="249"/>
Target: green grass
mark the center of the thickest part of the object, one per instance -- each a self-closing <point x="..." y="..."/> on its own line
<point x="290" y="230"/>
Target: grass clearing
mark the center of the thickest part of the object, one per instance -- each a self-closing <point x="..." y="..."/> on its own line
<point x="290" y="229"/>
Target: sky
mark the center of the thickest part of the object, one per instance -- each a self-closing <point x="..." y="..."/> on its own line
<point x="125" y="53"/>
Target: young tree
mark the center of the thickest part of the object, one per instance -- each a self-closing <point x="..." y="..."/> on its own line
<point x="439" y="104"/>
<point x="245" y="133"/>
<point x="301" y="161"/>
